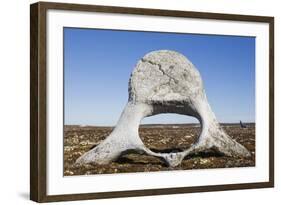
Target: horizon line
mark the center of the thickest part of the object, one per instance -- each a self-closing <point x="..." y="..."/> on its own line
<point x="84" y="125"/>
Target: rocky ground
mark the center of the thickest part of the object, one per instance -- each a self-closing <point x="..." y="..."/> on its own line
<point x="159" y="138"/>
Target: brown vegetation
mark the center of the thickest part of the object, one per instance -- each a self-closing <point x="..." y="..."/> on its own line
<point x="159" y="138"/>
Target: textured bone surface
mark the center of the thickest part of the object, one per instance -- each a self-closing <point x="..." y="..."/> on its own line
<point x="164" y="82"/>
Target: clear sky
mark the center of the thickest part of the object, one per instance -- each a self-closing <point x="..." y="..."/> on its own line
<point x="98" y="64"/>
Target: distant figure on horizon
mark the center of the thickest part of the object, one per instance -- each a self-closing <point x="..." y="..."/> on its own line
<point x="242" y="125"/>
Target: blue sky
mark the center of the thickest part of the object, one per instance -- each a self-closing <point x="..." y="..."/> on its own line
<point x="98" y="64"/>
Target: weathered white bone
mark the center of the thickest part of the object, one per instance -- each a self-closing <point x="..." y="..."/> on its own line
<point x="164" y="82"/>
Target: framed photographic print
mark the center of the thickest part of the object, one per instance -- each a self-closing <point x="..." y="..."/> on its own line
<point x="134" y="102"/>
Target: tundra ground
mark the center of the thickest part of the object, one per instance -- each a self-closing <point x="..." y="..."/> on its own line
<point x="159" y="138"/>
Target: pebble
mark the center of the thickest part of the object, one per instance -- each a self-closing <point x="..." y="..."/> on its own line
<point x="67" y="172"/>
<point x="75" y="140"/>
<point x="84" y="143"/>
<point x="68" y="148"/>
<point x="204" y="161"/>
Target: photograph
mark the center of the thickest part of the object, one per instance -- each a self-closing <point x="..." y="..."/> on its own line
<point x="146" y="101"/>
<point x="129" y="101"/>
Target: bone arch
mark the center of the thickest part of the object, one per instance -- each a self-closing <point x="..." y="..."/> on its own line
<point x="164" y="82"/>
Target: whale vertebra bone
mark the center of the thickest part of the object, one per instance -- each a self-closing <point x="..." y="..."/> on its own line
<point x="164" y="82"/>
